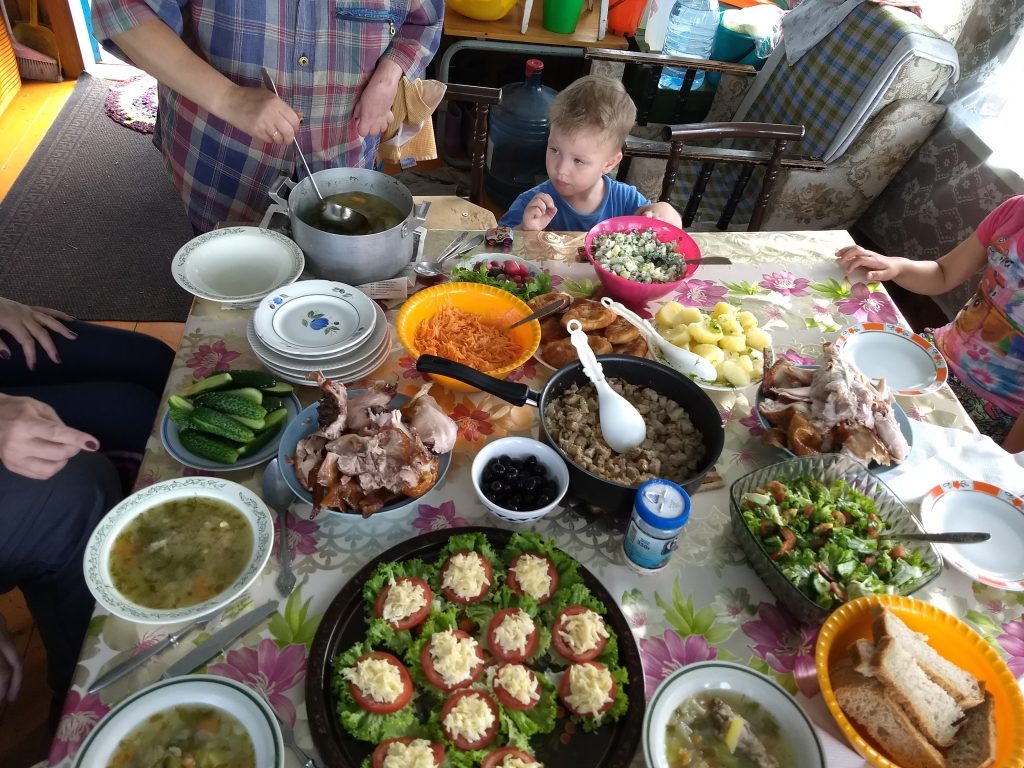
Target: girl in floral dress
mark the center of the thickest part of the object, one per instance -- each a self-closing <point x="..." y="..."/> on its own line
<point x="984" y="345"/>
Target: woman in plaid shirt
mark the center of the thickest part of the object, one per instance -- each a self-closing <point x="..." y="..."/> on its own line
<point x="224" y="137"/>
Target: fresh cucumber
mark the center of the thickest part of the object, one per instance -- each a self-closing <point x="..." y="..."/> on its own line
<point x="259" y="441"/>
<point x="179" y="403"/>
<point x="232" y="404"/>
<point x="179" y="416"/>
<point x="210" y="383"/>
<point x="251" y="394"/>
<point x="275" y="418"/>
<point x="209" y="447"/>
<point x="254" y="424"/>
<point x="272" y="402"/>
<point x="217" y="423"/>
<point x="280" y="388"/>
<point x="257" y="379"/>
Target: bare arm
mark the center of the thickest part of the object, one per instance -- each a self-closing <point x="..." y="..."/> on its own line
<point x="924" y="277"/>
<point x="154" y="47"/>
<point x="1014" y="442"/>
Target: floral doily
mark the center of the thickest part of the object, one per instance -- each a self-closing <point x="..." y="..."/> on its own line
<point x="132" y="103"/>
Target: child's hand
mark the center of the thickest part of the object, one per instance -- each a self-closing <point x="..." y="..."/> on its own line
<point x="538" y="213"/>
<point x="661" y="211"/>
<point x="878" y="267"/>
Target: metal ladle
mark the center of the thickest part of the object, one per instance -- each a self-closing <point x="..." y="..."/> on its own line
<point x="622" y="426"/>
<point x="331" y="213"/>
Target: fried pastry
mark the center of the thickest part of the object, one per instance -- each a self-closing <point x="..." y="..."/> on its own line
<point x="562" y="352"/>
<point x="546" y="298"/>
<point x="637" y="347"/>
<point x="551" y="329"/>
<point x="621" y="332"/>
<point x="591" y="314"/>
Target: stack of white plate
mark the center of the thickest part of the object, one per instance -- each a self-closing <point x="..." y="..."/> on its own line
<point x="319" y="325"/>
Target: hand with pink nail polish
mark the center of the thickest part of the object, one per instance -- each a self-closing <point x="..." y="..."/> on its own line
<point x="34" y="442"/>
<point x="30" y="326"/>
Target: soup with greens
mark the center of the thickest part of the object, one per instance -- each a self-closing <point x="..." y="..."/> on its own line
<point x="193" y="736"/>
<point x="722" y="729"/>
<point x="181" y="552"/>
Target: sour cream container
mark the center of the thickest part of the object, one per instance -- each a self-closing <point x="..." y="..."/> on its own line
<point x="660" y="510"/>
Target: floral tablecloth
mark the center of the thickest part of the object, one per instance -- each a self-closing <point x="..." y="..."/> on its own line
<point x="707" y="604"/>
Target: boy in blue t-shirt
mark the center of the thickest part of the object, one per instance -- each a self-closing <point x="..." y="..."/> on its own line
<point x="589" y="123"/>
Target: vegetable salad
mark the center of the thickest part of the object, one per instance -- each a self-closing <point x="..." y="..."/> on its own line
<point x="639" y="256"/>
<point x="826" y="540"/>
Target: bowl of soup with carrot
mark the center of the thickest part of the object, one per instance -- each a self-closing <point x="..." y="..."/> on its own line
<point x="178" y="549"/>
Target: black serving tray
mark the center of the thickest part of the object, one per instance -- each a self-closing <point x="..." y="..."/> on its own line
<point x="344" y="624"/>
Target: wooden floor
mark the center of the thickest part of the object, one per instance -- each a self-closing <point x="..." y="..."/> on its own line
<point x="24" y="737"/>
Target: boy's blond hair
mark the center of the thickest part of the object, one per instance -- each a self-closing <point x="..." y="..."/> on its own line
<point x="598" y="103"/>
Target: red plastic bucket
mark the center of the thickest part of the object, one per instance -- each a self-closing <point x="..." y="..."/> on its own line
<point x="624" y="16"/>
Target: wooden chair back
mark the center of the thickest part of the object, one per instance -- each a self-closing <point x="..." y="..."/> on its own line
<point x="481" y="98"/>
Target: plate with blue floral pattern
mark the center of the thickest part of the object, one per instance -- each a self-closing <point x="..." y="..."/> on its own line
<point x="314" y="318"/>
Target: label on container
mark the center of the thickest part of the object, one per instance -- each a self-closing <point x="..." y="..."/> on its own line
<point x="660" y="511"/>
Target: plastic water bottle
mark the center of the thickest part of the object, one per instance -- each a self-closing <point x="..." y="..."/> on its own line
<point x="691" y="32"/>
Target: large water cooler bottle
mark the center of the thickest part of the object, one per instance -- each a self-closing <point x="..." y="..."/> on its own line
<point x="691" y="32"/>
<point x="517" y="139"/>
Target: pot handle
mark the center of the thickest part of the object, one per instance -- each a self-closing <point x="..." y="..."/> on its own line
<point x="510" y="392"/>
<point x="277" y="190"/>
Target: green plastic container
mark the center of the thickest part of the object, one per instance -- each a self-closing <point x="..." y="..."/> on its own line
<point x="562" y="16"/>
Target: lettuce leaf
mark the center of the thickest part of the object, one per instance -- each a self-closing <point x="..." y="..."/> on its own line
<point x="619" y="705"/>
<point x="363" y="725"/>
<point x="524" y="723"/>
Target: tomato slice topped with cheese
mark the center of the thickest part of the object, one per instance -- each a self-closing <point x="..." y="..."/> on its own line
<point x="516" y="686"/>
<point x="451" y="659"/>
<point x="379" y="683"/>
<point x="404" y="604"/>
<point x="469" y="719"/>
<point x="506" y="757"/>
<point x="587" y="689"/>
<point x="466" y="577"/>
<point x="512" y="635"/>
<point x="534" y="575"/>
<point x="409" y="748"/>
<point x="579" y="634"/>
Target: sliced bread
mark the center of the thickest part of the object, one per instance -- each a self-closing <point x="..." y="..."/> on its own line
<point x="934" y="711"/>
<point x="975" y="745"/>
<point x="866" y="701"/>
<point x="961" y="685"/>
<point x="862" y="654"/>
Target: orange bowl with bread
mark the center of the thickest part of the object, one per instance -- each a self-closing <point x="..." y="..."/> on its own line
<point x="912" y="686"/>
<point x="466" y="322"/>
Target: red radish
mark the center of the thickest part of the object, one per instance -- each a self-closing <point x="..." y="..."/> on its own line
<point x="512" y="267"/>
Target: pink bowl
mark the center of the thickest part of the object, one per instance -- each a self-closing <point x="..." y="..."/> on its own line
<point x="630" y="291"/>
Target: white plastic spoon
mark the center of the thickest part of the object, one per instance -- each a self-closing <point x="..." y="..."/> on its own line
<point x="622" y="426"/>
<point x="683" y="360"/>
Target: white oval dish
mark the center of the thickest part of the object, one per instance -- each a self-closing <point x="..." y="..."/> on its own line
<point x="726" y="676"/>
<point x="251" y="710"/>
<point x="971" y="505"/>
<point x="97" y="550"/>
<point x="909" y="363"/>
<point x="237" y="265"/>
<point x="172" y="444"/>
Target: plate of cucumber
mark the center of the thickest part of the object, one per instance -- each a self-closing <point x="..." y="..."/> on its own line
<point x="228" y="421"/>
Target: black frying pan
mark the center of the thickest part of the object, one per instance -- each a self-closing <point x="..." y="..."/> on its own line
<point x="614" y="498"/>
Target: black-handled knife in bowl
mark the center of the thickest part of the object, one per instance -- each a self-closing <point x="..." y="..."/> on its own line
<point x="220" y="640"/>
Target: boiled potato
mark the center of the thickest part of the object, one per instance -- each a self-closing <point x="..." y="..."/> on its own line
<point x="689" y="315"/>
<point x="702" y="334"/>
<point x="746" y="362"/>
<point x="733" y="343"/>
<point x="710" y="352"/>
<point x="723" y="308"/>
<point x="747" y="319"/>
<point x="758" y="339"/>
<point x="730" y="325"/>
<point x="680" y="336"/>
<point x="734" y="373"/>
<point x="667" y="315"/>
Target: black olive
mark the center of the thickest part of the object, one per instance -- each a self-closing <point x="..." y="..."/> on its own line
<point x="498" y="469"/>
<point x="497" y="486"/>
<point x="511" y="473"/>
<point x="543" y="500"/>
<point x="531" y="483"/>
<point x="531" y="460"/>
<point x="505" y="459"/>
<point x="515" y="499"/>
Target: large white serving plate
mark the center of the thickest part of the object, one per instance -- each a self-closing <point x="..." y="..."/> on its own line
<point x="314" y="318"/>
<point x="173" y="445"/>
<point x="247" y="706"/>
<point x="735" y="678"/>
<point x="237" y="265"/>
<point x="971" y="505"/>
<point x="98" y="548"/>
<point x="909" y="363"/>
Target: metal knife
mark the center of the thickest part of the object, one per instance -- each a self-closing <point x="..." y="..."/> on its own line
<point x="115" y="673"/>
<point x="220" y="640"/>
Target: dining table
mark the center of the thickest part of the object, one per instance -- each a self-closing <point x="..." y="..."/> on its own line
<point x="707" y="603"/>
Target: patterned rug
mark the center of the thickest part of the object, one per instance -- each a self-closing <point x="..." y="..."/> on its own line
<point x="132" y="103"/>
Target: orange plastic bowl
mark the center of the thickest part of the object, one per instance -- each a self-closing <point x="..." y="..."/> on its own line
<point x="630" y="291"/>
<point x="946" y="634"/>
<point x="490" y="303"/>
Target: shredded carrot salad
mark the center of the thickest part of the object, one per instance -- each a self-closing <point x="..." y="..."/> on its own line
<point x="466" y="338"/>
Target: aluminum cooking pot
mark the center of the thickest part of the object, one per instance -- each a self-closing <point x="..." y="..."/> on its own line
<point x="607" y="495"/>
<point x="352" y="259"/>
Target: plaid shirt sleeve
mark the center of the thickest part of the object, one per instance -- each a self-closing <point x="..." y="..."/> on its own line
<point x="417" y="39"/>
<point x="112" y="17"/>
